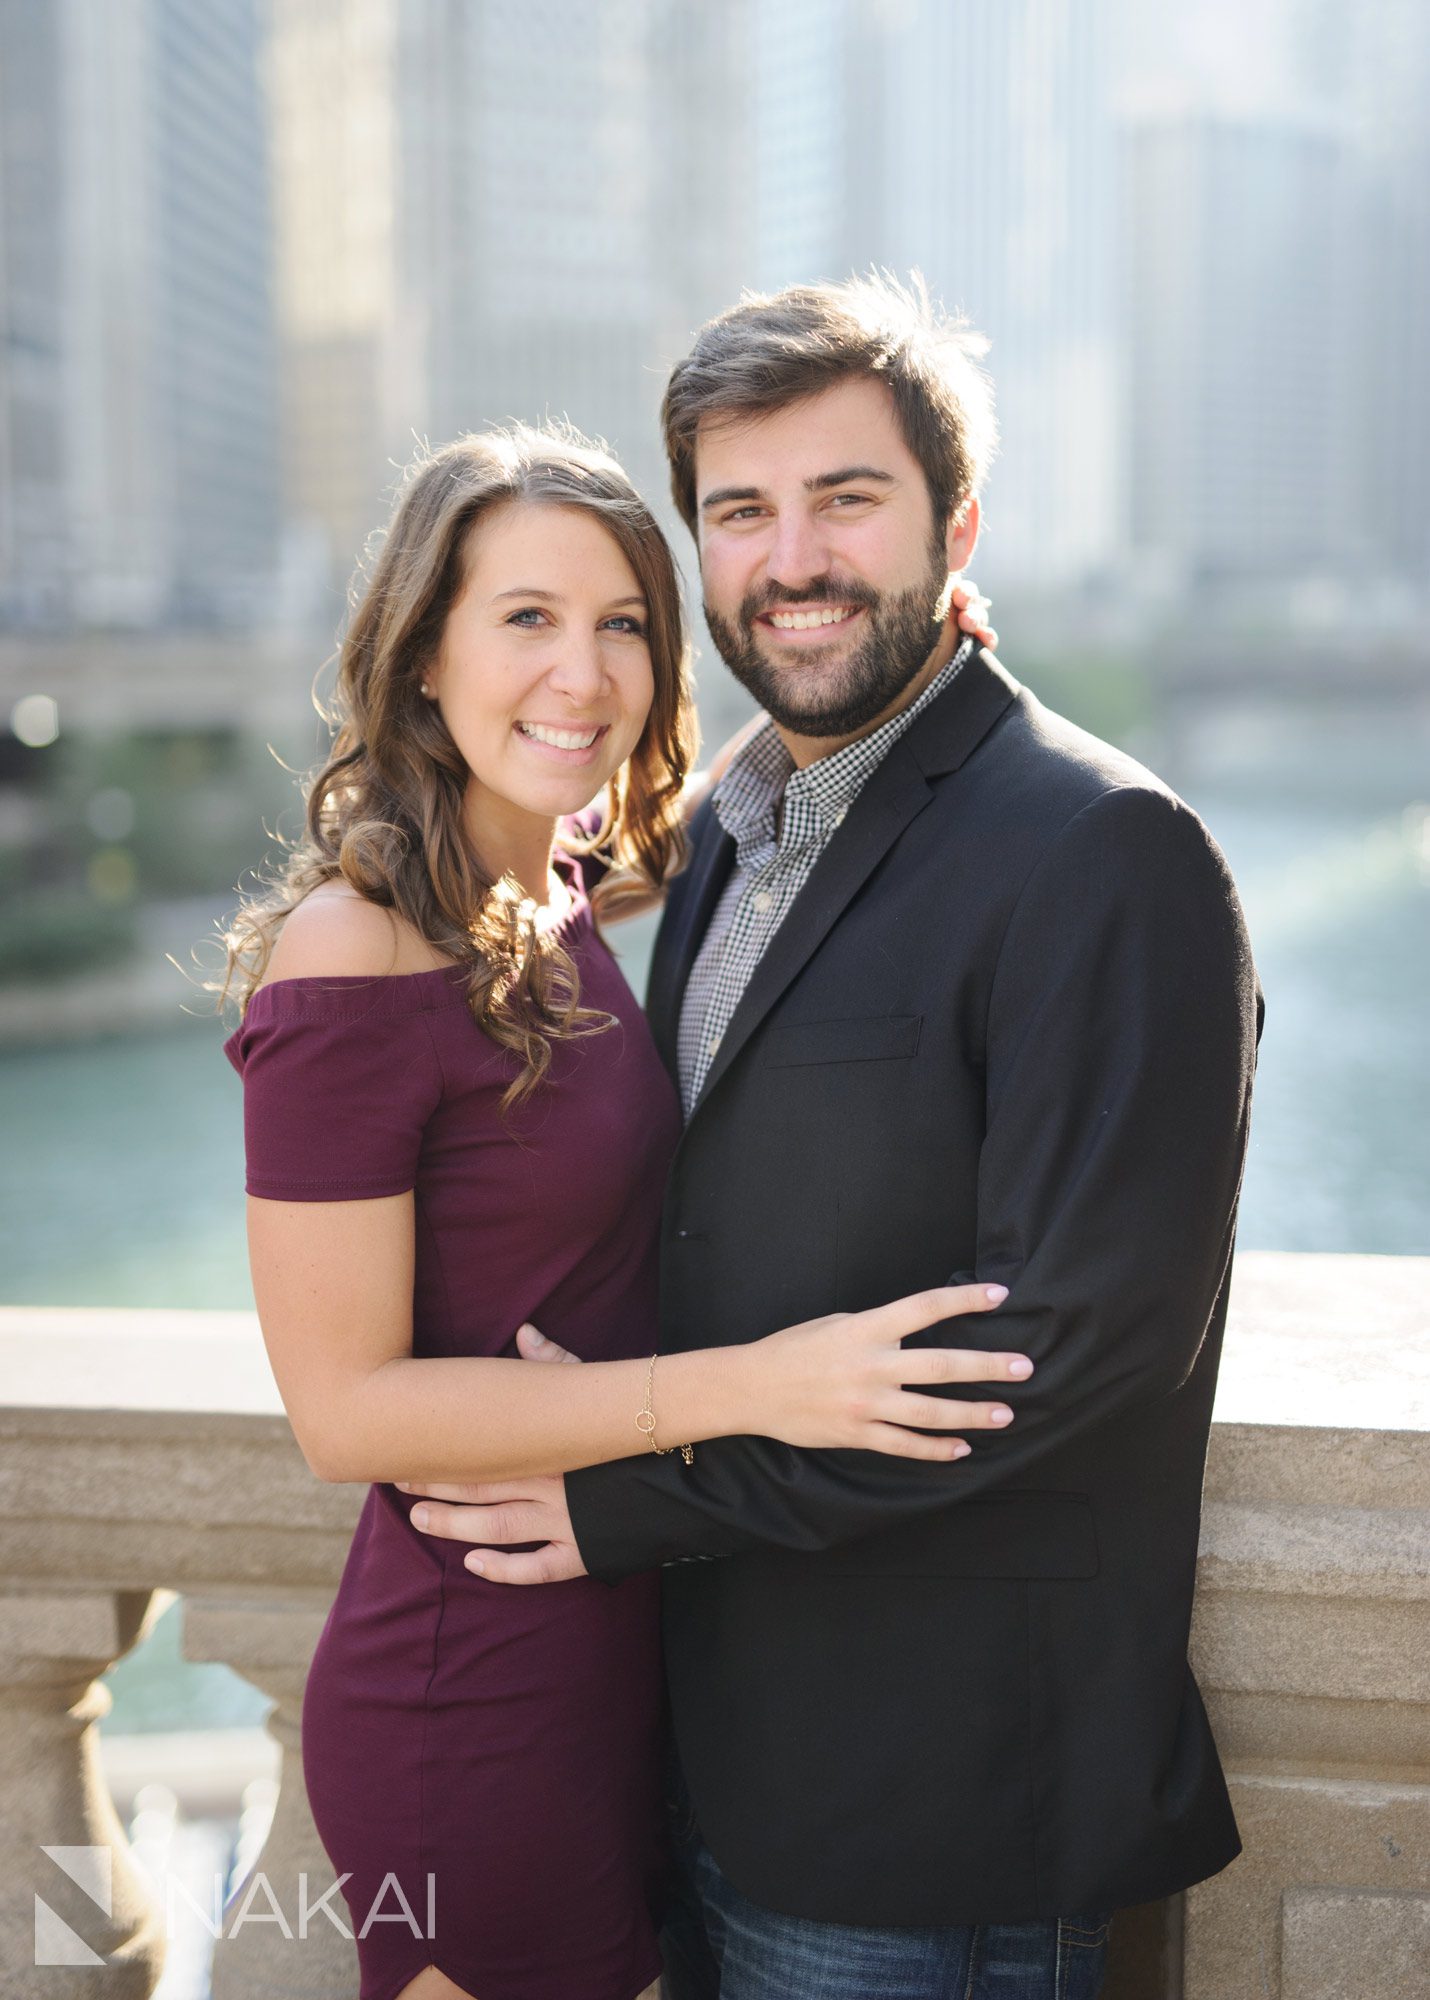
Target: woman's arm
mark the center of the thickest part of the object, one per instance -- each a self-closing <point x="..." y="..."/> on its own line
<point x="333" y="1281"/>
<point x="333" y="1284"/>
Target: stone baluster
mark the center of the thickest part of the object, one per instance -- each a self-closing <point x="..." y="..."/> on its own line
<point x="83" y="1906"/>
<point x="269" y="1639"/>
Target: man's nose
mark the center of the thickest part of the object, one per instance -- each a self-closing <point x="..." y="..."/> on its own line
<point x="798" y="554"/>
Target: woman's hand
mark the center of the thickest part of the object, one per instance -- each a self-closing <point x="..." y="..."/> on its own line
<point x="971" y="608"/>
<point x="844" y="1380"/>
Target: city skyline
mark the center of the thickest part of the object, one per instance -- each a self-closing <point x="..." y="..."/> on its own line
<point x="253" y="259"/>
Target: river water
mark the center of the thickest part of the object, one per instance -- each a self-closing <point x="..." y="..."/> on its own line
<point x="121" y="1176"/>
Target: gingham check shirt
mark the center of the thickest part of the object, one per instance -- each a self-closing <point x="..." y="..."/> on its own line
<point x="774" y="858"/>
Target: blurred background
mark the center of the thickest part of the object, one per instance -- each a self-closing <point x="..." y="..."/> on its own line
<point x="253" y="252"/>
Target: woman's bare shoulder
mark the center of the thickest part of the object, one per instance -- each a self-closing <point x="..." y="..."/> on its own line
<point x="334" y="933"/>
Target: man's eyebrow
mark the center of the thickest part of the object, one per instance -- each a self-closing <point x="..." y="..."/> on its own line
<point x="555" y="597"/>
<point x="823" y="480"/>
<point x="724" y="494"/>
<point x="819" y="482"/>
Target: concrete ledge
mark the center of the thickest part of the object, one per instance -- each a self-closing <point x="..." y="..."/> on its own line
<point x="149" y="1450"/>
<point x="1353" y="1945"/>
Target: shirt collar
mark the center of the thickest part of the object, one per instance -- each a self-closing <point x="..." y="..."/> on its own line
<point x="762" y="772"/>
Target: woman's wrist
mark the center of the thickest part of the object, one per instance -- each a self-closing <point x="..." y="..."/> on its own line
<point x="707" y="1393"/>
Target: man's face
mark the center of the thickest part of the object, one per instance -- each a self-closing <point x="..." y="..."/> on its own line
<point x="825" y="575"/>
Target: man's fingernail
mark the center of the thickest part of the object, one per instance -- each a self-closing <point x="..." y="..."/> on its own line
<point x="1002" y="1415"/>
<point x="402" y="1485"/>
<point x="476" y="1565"/>
<point x="420" y="1517"/>
<point x="1020" y="1367"/>
<point x="997" y="1293"/>
<point x="962" y="1450"/>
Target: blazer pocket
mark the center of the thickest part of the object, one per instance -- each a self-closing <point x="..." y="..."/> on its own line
<point x="877" y="1038"/>
<point x="1001" y="1535"/>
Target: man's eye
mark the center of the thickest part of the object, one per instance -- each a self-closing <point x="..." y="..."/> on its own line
<point x="741" y="514"/>
<point x="854" y="499"/>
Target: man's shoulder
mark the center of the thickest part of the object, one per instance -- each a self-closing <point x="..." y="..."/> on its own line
<point x="1091" y="764"/>
<point x="1043" y="769"/>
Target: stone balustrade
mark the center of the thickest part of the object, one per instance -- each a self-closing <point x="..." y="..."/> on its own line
<point x="146" y="1452"/>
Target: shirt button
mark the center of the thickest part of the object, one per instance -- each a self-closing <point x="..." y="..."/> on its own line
<point x="764" y="901"/>
<point x="712" y="1047"/>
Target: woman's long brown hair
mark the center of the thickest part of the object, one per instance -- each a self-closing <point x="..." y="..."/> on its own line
<point x="384" y="813"/>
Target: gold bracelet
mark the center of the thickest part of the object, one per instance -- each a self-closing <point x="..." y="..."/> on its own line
<point x="645" y="1423"/>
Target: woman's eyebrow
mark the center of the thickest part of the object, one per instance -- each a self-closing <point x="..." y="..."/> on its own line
<point x="555" y="597"/>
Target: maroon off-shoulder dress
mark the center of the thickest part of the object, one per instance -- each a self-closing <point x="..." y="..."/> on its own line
<point x="483" y="1755"/>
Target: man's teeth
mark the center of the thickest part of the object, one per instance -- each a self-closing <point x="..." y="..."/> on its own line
<point x="803" y="621"/>
<point x="559" y="739"/>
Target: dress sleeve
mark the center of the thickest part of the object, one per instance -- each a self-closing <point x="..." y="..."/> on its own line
<point x="340" y="1077"/>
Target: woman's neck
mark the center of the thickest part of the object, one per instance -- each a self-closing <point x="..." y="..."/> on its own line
<point x="512" y="842"/>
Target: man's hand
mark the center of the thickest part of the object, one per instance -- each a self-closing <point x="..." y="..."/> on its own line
<point x="513" y="1510"/>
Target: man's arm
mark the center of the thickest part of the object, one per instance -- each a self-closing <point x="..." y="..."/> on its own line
<point x="1122" y="1032"/>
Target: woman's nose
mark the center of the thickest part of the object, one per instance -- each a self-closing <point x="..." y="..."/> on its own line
<point x="578" y="671"/>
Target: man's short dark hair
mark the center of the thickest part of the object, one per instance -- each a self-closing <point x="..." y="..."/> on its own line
<point x="776" y="348"/>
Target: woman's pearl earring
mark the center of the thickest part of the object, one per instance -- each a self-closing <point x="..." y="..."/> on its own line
<point x="425" y="689"/>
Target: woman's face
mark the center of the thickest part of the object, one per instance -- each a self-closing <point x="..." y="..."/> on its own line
<point x="543" y="676"/>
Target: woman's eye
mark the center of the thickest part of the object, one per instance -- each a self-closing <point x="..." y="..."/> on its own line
<point x="623" y="622"/>
<point x="526" y="617"/>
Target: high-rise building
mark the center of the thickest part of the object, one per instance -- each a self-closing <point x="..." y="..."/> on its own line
<point x="998" y="141"/>
<point x="973" y="141"/>
<point x="516" y="210"/>
<point x="1383" y="85"/>
<point x="34" y="539"/>
<point x="1240" y="453"/>
<point x="138" y="474"/>
<point x="349" y="389"/>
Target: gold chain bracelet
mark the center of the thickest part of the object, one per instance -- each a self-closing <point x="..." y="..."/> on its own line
<point x="645" y="1422"/>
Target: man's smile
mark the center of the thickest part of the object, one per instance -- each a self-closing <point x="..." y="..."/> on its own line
<point x="821" y="620"/>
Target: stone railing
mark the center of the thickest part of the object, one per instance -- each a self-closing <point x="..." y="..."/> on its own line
<point x="147" y="1452"/>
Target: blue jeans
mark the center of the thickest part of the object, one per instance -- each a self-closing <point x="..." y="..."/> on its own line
<point x="721" y="1946"/>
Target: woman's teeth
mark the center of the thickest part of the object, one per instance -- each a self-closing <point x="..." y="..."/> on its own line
<point x="559" y="739"/>
<point x="804" y="621"/>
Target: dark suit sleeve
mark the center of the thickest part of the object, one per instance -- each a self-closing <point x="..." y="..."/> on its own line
<point x="1123" y="1020"/>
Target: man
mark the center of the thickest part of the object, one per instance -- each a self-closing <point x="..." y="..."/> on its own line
<point x="952" y="990"/>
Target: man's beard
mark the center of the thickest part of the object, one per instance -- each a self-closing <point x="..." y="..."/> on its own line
<point x="816" y="699"/>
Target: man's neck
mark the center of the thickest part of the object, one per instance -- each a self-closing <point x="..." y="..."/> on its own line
<point x="806" y="750"/>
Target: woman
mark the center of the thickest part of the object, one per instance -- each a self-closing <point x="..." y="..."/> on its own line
<point x="456" y="1124"/>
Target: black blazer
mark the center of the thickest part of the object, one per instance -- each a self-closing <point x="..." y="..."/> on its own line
<point x="1007" y="1032"/>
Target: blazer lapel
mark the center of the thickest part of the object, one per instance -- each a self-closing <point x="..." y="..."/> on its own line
<point x="894" y="795"/>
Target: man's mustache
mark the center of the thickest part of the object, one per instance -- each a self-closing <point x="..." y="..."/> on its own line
<point x="823" y="590"/>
